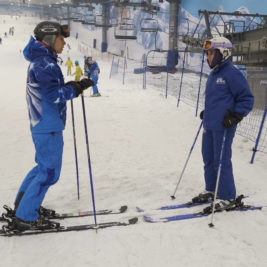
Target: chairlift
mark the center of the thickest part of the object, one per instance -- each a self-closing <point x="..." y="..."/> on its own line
<point x="90" y="8"/>
<point x="99" y="22"/>
<point x="89" y="20"/>
<point x="149" y="25"/>
<point x="157" y="62"/>
<point x="79" y="18"/>
<point x="126" y="26"/>
<point x="124" y="32"/>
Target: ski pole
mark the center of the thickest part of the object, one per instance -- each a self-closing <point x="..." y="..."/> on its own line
<point x="173" y="196"/>
<point x="89" y="160"/>
<point x="75" y="150"/>
<point x="218" y="178"/>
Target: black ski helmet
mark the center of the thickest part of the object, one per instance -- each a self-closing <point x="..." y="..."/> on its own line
<point x="47" y="31"/>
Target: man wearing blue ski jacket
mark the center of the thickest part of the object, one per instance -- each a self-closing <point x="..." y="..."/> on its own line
<point x="227" y="100"/>
<point x="46" y="94"/>
<point x="93" y="70"/>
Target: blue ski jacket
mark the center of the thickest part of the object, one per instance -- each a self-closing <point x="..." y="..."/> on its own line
<point x="226" y="88"/>
<point x="46" y="91"/>
<point x="94" y="70"/>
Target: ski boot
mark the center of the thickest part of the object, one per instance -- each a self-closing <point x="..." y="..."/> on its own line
<point x="47" y="213"/>
<point x="221" y="205"/>
<point x="205" y="196"/>
<point x="18" y="225"/>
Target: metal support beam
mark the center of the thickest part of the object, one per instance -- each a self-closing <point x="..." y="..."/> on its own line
<point x="206" y="14"/>
<point x="105" y="21"/>
<point x="173" y="23"/>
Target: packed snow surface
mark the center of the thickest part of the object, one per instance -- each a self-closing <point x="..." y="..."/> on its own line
<point x="139" y="142"/>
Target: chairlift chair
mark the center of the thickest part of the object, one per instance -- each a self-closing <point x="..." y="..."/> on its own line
<point x="125" y="32"/>
<point x="89" y="20"/>
<point x="99" y="22"/>
<point x="149" y="25"/>
<point x="79" y="18"/>
<point x="157" y="62"/>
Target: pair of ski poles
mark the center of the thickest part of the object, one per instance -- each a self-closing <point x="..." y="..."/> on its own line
<point x="88" y="154"/>
<point x="218" y="173"/>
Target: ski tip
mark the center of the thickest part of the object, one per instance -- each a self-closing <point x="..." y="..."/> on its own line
<point x="123" y="209"/>
<point x="139" y="209"/>
<point x="133" y="220"/>
<point x="148" y="219"/>
<point x="172" y="197"/>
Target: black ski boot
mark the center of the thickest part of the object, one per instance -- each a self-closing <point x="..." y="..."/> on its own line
<point x="47" y="213"/>
<point x="203" y="197"/>
<point x="221" y="205"/>
<point x="18" y="225"/>
<point x="10" y="213"/>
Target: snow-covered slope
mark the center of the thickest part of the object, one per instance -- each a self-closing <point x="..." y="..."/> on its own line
<point x="139" y="142"/>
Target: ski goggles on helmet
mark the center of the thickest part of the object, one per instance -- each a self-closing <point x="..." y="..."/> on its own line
<point x="209" y="45"/>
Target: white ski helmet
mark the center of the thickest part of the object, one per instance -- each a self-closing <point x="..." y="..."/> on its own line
<point x="223" y="44"/>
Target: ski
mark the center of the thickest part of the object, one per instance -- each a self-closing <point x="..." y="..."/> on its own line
<point x="184" y="205"/>
<point x="9" y="233"/>
<point x="178" y="206"/>
<point x="195" y="215"/>
<point x="60" y="216"/>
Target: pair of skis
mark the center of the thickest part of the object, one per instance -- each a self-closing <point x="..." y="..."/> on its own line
<point x="55" y="227"/>
<point x="153" y="219"/>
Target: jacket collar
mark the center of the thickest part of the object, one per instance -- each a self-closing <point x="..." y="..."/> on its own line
<point x="222" y="65"/>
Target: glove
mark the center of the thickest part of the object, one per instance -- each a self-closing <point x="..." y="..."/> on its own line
<point x="76" y="86"/>
<point x="231" y="119"/>
<point x="201" y="115"/>
<point x="81" y="85"/>
<point x="85" y="83"/>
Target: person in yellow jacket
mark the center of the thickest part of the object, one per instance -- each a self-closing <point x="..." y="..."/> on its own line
<point x="78" y="72"/>
<point x="69" y="64"/>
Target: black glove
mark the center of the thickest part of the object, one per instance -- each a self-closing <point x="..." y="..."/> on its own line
<point x="85" y="83"/>
<point x="231" y="119"/>
<point x="201" y="115"/>
<point x="81" y="85"/>
<point x="76" y="86"/>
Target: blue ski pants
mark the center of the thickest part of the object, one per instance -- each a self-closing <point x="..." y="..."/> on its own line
<point x="211" y="149"/>
<point x="95" y="80"/>
<point x="48" y="156"/>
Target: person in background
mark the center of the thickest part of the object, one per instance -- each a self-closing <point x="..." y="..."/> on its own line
<point x="69" y="65"/>
<point x="46" y="94"/>
<point x="93" y="71"/>
<point x="78" y="72"/>
<point x="227" y="101"/>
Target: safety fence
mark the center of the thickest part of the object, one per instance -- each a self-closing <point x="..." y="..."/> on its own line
<point x="189" y="87"/>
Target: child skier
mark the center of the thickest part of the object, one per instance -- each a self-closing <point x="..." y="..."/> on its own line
<point x="69" y="64"/>
<point x="78" y="72"/>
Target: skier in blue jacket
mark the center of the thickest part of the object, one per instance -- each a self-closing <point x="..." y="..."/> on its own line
<point x="92" y="69"/>
<point x="46" y="94"/>
<point x="227" y="100"/>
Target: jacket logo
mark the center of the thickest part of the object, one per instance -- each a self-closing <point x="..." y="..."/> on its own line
<point x="220" y="81"/>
